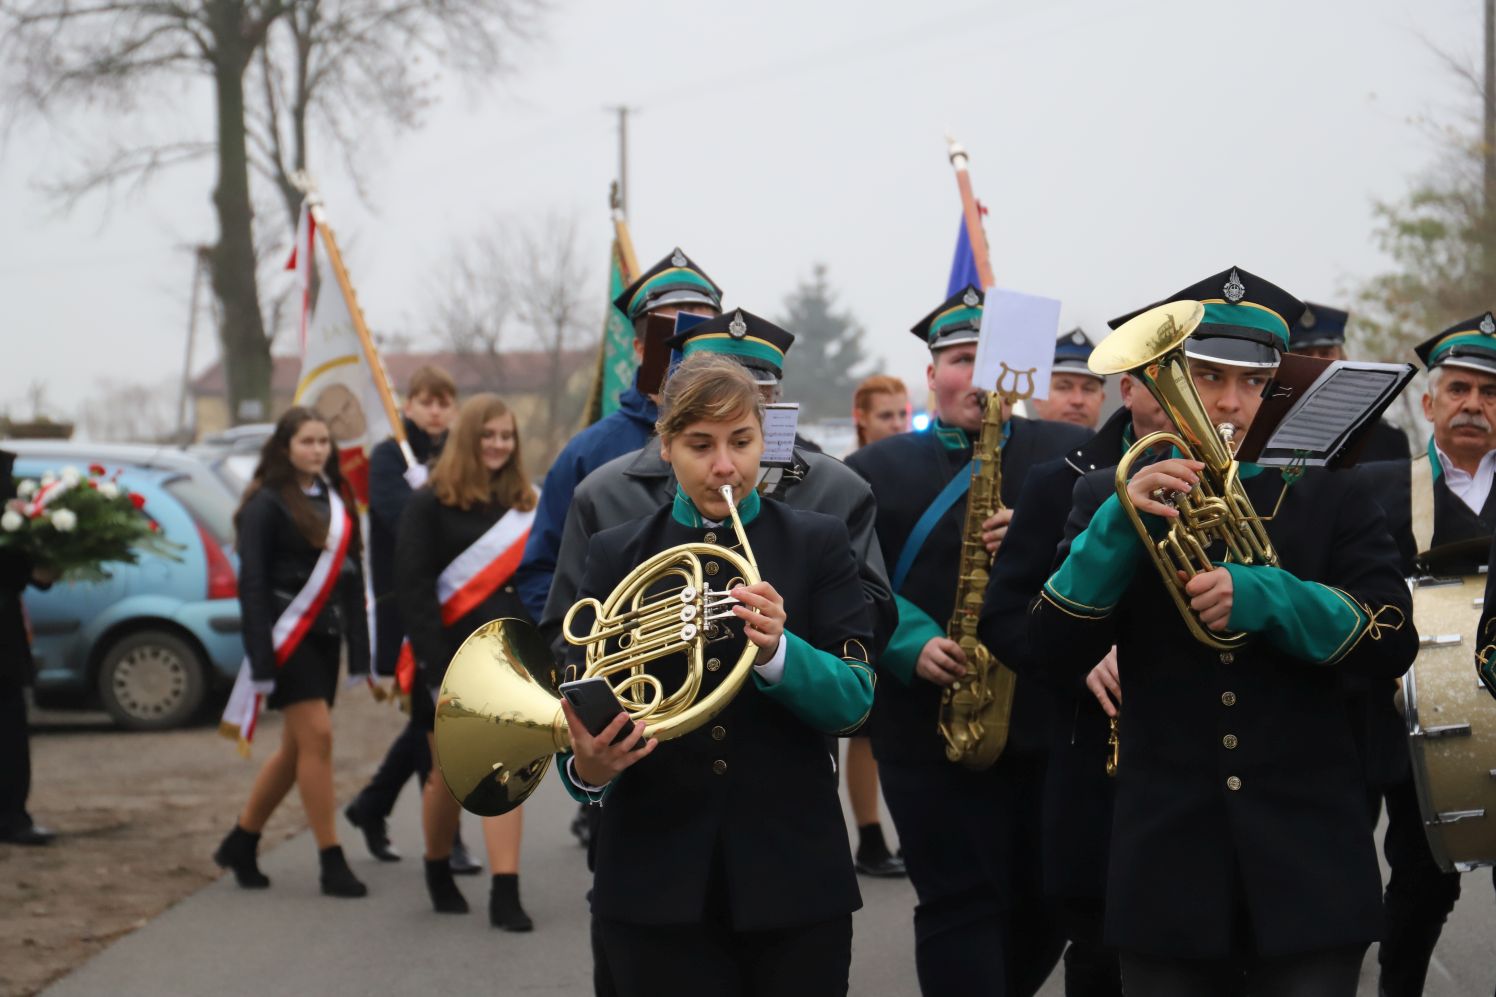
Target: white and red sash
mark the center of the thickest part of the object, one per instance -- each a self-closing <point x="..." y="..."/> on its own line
<point x="248" y="696"/>
<point x="471" y="578"/>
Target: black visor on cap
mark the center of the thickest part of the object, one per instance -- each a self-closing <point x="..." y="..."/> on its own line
<point x="1481" y="360"/>
<point x="1231" y="350"/>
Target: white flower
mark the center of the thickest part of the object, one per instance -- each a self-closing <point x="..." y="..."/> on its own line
<point x="48" y="477"/>
<point x="71" y="475"/>
<point x="26" y="488"/>
<point x="63" y="520"/>
<point x="108" y="489"/>
<point x="11" y="521"/>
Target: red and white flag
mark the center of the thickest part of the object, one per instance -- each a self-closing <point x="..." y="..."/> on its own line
<point x="336" y="378"/>
<point x="248" y="696"/>
<point x="471" y="578"/>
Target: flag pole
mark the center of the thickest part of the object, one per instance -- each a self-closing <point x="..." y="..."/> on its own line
<point x="371" y="353"/>
<point x="628" y="265"/>
<point x="975" y="234"/>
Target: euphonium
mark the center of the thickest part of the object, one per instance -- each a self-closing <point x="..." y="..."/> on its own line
<point x="497" y="726"/>
<point x="1150" y="347"/>
<point x="974" y="710"/>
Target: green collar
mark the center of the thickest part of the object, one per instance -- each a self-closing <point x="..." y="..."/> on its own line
<point x="951" y="437"/>
<point x="1435" y="465"/>
<point x="684" y="510"/>
<point x="1128" y="437"/>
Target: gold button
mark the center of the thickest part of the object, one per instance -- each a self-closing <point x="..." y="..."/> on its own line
<point x="710" y="538"/>
<point x="712" y="664"/>
<point x="719" y="766"/>
<point x="1227" y="657"/>
<point x="712" y="568"/>
<point x="719" y="732"/>
<point x="1233" y="783"/>
<point x="1228" y="699"/>
<point x="1229" y="742"/>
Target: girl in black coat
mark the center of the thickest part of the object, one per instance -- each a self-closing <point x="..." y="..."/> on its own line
<point x="283" y="525"/>
<point x="469" y="525"/>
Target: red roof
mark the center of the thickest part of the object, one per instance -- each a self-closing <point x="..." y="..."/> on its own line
<point x="521" y="372"/>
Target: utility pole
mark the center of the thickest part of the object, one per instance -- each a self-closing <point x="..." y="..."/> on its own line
<point x="622" y="110"/>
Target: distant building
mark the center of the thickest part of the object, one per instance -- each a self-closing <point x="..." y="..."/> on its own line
<point x="526" y="380"/>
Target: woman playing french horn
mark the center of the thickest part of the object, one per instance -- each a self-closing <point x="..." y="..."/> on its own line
<point x="722" y="862"/>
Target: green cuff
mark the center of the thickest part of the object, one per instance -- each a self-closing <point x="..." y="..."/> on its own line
<point x="1100" y="565"/>
<point x="563" y="768"/>
<point x="829" y="693"/>
<point x="1308" y="620"/>
<point x="909" y="638"/>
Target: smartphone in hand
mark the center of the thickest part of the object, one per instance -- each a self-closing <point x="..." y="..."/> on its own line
<point x="596" y="705"/>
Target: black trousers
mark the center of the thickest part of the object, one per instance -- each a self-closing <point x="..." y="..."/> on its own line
<point x="1091" y="968"/>
<point x="1325" y="973"/>
<point x="971" y="844"/>
<point x="711" y="958"/>
<point x="15" y="759"/>
<point x="409" y="754"/>
<point x="1419" y="896"/>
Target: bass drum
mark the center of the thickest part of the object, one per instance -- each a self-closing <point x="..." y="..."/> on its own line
<point x="1452" y="724"/>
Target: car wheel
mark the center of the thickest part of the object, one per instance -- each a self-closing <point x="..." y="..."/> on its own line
<point x="152" y="680"/>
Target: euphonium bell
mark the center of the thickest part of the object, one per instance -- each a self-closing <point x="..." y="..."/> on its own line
<point x="497" y="725"/>
<point x="1150" y="347"/>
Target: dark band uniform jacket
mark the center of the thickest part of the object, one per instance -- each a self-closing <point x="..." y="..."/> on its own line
<point x="906" y="472"/>
<point x="1240" y="807"/>
<point x="751" y="797"/>
<point x="275" y="561"/>
<point x="1077" y="808"/>
<point x="636" y="484"/>
<point x="388" y="493"/>
<point x="432" y="536"/>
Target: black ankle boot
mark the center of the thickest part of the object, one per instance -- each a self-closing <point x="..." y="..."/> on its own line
<point x="446" y="898"/>
<point x="337" y="879"/>
<point x="504" y="910"/>
<point x="238" y="853"/>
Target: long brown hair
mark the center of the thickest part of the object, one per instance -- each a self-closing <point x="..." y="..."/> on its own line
<point x="460" y="479"/>
<point x="276" y="473"/>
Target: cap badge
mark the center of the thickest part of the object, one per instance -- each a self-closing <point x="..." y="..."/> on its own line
<point x="678" y="259"/>
<point x="1488" y="325"/>
<point x="1234" y="290"/>
<point x="970" y="299"/>
<point x="1308" y="320"/>
<point x="737" y="328"/>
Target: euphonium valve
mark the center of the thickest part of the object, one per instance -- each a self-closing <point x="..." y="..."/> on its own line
<point x="498" y="726"/>
<point x="1150" y="347"/>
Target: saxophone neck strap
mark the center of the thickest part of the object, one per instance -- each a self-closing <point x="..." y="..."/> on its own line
<point x="952" y="493"/>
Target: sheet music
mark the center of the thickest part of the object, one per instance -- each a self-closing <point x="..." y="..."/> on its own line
<point x="780" y="422"/>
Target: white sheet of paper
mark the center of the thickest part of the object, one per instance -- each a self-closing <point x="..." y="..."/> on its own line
<point x="1017" y="342"/>
<point x="780" y="422"/>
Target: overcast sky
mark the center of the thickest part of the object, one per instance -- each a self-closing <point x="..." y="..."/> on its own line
<point x="1125" y="149"/>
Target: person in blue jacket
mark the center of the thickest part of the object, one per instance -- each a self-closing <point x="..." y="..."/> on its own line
<point x="673" y="285"/>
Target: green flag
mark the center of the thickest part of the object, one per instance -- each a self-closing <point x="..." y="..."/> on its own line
<point x="615" y="355"/>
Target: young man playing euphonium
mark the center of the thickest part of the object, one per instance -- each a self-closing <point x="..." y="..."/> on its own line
<point x="1241" y="851"/>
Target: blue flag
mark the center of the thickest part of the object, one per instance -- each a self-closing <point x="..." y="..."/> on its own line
<point x="963" y="264"/>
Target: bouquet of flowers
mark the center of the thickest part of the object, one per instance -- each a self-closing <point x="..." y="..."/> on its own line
<point x="75" y="523"/>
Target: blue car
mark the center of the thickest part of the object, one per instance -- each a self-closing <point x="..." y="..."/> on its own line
<point x="159" y="639"/>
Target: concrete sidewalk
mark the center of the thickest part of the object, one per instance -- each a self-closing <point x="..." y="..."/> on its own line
<point x="290" y="939"/>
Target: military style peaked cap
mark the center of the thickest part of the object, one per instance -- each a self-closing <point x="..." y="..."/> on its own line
<point x="1320" y="325"/>
<point x="754" y="342"/>
<point x="675" y="280"/>
<point x="1071" y="351"/>
<point x="1246" y="319"/>
<point x="1470" y="344"/>
<point x="959" y="320"/>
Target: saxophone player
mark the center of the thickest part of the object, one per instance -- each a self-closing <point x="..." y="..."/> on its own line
<point x="960" y="829"/>
<point x="1241" y="853"/>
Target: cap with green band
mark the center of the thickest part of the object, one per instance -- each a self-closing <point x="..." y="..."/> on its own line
<point x="675" y="280"/>
<point x="957" y="320"/>
<point x="1470" y="344"/>
<point x="754" y="342"/>
<point x="1246" y="321"/>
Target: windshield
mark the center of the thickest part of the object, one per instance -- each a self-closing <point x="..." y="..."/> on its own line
<point x="209" y="506"/>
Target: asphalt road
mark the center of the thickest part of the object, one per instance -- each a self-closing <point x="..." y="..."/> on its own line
<point x="289" y="939"/>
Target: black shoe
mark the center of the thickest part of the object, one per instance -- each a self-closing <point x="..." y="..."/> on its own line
<point x="337" y="879"/>
<point x="461" y="861"/>
<point x="375" y="835"/>
<point x="31" y="834"/>
<point x="581" y="826"/>
<point x="237" y="852"/>
<point x="504" y="910"/>
<point x="882" y="867"/>
<point x="446" y="898"/>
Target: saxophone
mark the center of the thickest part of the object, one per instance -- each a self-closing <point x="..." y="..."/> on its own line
<point x="974" y="709"/>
